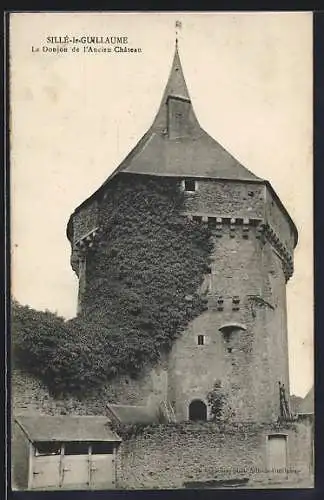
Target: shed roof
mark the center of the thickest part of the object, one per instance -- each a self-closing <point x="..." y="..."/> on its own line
<point x="131" y="414"/>
<point x="67" y="428"/>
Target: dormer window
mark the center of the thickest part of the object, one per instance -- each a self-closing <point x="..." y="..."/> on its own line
<point x="190" y="185"/>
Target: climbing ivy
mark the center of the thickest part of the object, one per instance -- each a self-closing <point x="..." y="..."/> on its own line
<point x="142" y="289"/>
<point x="220" y="409"/>
<point x="129" y="431"/>
<point x="143" y="280"/>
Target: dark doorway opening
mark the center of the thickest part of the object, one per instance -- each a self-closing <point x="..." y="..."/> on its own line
<point x="190" y="185"/>
<point x="197" y="410"/>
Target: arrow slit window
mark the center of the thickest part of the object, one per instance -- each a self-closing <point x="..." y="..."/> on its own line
<point x="201" y="339"/>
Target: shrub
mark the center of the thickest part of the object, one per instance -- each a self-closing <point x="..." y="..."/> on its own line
<point x="66" y="355"/>
<point x="220" y="408"/>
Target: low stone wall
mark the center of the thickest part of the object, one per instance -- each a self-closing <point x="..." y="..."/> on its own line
<point x="30" y="396"/>
<point x="169" y="456"/>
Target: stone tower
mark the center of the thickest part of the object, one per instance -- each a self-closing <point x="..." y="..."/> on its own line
<point x="241" y="339"/>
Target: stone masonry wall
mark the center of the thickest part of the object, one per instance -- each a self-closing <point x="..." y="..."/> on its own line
<point x="85" y="220"/>
<point x="227" y="198"/>
<point x="168" y="456"/>
<point x="275" y="321"/>
<point x="249" y="362"/>
<point x="279" y="221"/>
<point x="241" y="200"/>
<point x="30" y="396"/>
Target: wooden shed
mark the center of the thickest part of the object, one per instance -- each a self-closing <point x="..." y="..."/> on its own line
<point x="63" y="452"/>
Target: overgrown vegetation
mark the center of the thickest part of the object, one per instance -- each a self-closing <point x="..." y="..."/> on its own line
<point x="220" y="408"/>
<point x="143" y="280"/>
<point x="66" y="355"/>
<point x="129" y="431"/>
<point x="142" y="290"/>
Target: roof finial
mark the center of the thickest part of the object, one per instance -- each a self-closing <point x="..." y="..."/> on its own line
<point x="178" y="26"/>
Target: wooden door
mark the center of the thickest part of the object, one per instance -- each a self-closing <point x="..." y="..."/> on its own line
<point x="277" y="453"/>
<point x="75" y="465"/>
<point x="45" y="472"/>
<point x="75" y="472"/>
<point x="102" y="471"/>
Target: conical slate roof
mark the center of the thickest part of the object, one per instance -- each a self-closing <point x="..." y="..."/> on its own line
<point x="176" y="146"/>
<point x="191" y="152"/>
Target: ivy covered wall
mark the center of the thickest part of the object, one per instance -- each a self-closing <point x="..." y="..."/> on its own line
<point x="143" y="279"/>
<point x="142" y="289"/>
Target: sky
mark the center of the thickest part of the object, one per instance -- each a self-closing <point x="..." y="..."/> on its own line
<point x="75" y="116"/>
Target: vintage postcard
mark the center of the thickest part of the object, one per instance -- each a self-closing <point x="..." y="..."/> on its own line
<point x="162" y="250"/>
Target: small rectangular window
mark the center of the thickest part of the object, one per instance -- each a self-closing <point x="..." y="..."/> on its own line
<point x="212" y="222"/>
<point x="43" y="448"/>
<point x="76" y="448"/>
<point x="197" y="218"/>
<point x="201" y="339"/>
<point x="102" y="448"/>
<point x="190" y="185"/>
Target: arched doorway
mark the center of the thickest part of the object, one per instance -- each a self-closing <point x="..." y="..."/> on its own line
<point x="197" y="410"/>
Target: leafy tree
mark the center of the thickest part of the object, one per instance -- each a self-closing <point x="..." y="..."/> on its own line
<point x="66" y="355"/>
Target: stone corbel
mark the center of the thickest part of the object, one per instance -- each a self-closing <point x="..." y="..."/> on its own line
<point x="236" y="303"/>
<point x="246" y="227"/>
<point x="260" y="232"/>
<point x="220" y="303"/>
<point x="219" y="227"/>
<point x="89" y="240"/>
<point x="232" y="227"/>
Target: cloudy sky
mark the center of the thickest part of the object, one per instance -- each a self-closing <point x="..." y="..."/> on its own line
<point x="75" y="116"/>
